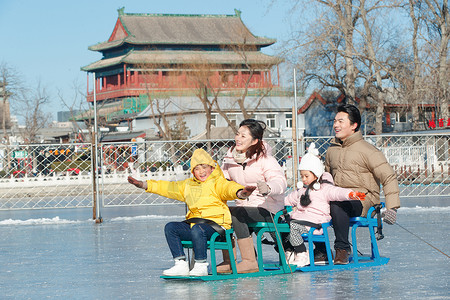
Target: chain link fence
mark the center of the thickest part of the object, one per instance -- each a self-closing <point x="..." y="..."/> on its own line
<point x="63" y="175"/>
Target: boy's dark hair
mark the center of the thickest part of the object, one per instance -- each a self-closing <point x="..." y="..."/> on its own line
<point x="256" y="129"/>
<point x="353" y="114"/>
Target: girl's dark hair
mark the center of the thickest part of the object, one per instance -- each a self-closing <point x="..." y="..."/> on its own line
<point x="304" y="199"/>
<point x="256" y="129"/>
<point x="353" y="114"/>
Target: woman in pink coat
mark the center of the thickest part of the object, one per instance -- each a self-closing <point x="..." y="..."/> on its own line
<point x="311" y="203"/>
<point x="250" y="162"/>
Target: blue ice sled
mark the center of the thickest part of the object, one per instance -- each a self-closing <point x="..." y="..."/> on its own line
<point x="281" y="266"/>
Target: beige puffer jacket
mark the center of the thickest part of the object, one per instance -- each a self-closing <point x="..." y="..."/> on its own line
<point x="358" y="165"/>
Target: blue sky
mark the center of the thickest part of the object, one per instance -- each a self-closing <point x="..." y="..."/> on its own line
<point x="48" y="40"/>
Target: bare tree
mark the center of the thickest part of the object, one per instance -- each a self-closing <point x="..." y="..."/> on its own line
<point x="158" y="101"/>
<point x="414" y="94"/>
<point x="328" y="42"/>
<point x="179" y="130"/>
<point x="348" y="47"/>
<point x="212" y="83"/>
<point x="75" y="105"/>
<point x="11" y="86"/>
<point x="437" y="20"/>
<point x="249" y="108"/>
<point x="32" y="105"/>
<point x="374" y="56"/>
<point x="158" y="106"/>
<point x="204" y="81"/>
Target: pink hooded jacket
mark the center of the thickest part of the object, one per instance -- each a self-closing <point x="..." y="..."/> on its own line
<point x="266" y="169"/>
<point x="318" y="211"/>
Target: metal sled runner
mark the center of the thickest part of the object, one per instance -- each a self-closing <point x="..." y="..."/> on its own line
<point x="278" y="227"/>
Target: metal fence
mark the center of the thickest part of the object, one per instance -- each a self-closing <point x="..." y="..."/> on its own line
<point x="63" y="175"/>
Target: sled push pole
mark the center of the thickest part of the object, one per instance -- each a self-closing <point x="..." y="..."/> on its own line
<point x="276" y="227"/>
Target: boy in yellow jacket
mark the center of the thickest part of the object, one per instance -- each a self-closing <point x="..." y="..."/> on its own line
<point x="205" y="194"/>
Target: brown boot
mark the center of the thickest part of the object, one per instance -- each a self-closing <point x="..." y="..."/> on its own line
<point x="341" y="257"/>
<point x="248" y="263"/>
<point x="225" y="266"/>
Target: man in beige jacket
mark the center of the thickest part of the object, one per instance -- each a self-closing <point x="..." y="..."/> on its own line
<point x="358" y="165"/>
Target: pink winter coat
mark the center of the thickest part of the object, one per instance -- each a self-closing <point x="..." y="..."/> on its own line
<point x="266" y="169"/>
<point x="318" y="211"/>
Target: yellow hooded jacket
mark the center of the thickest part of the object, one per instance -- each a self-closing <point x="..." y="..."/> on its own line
<point x="206" y="199"/>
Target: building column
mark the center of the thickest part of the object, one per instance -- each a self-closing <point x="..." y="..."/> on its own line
<point x="125" y="74"/>
<point x="278" y="76"/>
<point x="160" y="78"/>
<point x="239" y="78"/>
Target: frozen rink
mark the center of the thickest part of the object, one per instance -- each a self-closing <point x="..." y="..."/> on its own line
<point x="55" y="254"/>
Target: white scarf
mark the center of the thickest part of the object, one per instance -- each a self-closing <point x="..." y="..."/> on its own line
<point x="238" y="157"/>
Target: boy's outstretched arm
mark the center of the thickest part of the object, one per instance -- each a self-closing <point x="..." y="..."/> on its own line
<point x="246" y="192"/>
<point x="137" y="183"/>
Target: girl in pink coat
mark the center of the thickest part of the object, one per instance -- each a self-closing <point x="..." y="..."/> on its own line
<point x="311" y="203"/>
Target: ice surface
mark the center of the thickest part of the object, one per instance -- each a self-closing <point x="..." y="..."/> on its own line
<point x="64" y="254"/>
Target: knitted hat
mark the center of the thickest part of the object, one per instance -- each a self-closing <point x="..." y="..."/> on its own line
<point x="311" y="162"/>
<point x="201" y="157"/>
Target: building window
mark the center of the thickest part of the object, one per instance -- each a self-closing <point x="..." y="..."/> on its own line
<point x="232" y="118"/>
<point x="400" y="117"/>
<point x="270" y="120"/>
<point x="288" y="122"/>
<point x="214" y="120"/>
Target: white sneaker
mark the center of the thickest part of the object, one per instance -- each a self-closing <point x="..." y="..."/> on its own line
<point x="199" y="269"/>
<point x="181" y="268"/>
<point x="301" y="259"/>
<point x="290" y="256"/>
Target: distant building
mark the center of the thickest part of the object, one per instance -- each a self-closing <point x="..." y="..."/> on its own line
<point x="66" y="116"/>
<point x="318" y="112"/>
<point x="158" y="57"/>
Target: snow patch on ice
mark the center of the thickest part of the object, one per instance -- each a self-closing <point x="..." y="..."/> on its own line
<point x="421" y="209"/>
<point x="146" y="217"/>
<point x="41" y="221"/>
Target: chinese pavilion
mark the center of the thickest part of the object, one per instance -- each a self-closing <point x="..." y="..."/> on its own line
<point x="158" y="52"/>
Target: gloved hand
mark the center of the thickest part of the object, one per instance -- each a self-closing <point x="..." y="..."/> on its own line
<point x="357" y="196"/>
<point x="263" y="188"/>
<point x="136" y="182"/>
<point x="246" y="192"/>
<point x="389" y="216"/>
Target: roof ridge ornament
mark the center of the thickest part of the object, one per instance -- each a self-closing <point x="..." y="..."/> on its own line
<point x="237" y="12"/>
<point x="121" y="11"/>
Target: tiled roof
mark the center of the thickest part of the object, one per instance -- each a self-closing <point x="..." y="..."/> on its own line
<point x="122" y="136"/>
<point x="171" y="29"/>
<point x="185" y="57"/>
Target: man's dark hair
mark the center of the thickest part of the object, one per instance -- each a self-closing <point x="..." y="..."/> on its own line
<point x="353" y="114"/>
